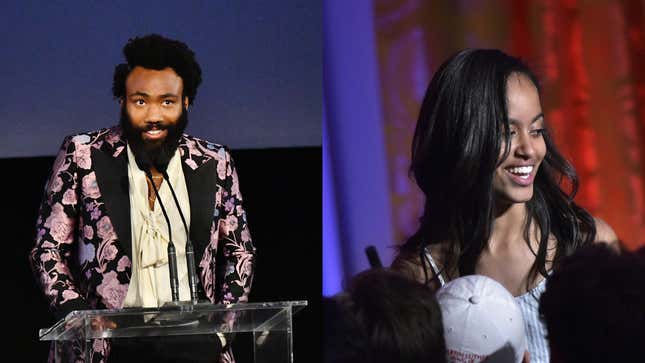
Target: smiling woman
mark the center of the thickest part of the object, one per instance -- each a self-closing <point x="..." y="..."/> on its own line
<point x="491" y="176"/>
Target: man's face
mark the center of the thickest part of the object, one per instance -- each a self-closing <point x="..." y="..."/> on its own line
<point x="153" y="112"/>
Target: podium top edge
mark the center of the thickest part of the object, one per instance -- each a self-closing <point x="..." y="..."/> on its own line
<point x="187" y="305"/>
<point x="181" y="307"/>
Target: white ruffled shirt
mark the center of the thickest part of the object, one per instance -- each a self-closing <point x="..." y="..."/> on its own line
<point x="150" y="282"/>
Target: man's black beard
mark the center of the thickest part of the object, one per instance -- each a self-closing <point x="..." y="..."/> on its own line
<point x="147" y="155"/>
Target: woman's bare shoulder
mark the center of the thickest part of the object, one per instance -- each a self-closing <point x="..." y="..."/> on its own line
<point x="605" y="234"/>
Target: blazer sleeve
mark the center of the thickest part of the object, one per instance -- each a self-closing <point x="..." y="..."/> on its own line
<point x="56" y="227"/>
<point x="237" y="249"/>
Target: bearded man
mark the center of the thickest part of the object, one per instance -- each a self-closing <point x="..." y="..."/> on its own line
<point x="102" y="237"/>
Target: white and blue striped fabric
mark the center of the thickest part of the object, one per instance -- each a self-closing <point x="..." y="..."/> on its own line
<point x="535" y="329"/>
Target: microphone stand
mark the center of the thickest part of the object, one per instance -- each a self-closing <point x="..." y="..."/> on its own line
<point x="190" y="251"/>
<point x="172" y="252"/>
<point x="190" y="264"/>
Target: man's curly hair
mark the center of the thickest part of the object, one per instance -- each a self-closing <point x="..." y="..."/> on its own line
<point x="156" y="52"/>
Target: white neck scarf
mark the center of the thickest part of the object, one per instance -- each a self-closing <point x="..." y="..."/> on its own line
<point x="150" y="282"/>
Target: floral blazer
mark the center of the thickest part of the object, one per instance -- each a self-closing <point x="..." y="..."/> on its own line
<point x="82" y="256"/>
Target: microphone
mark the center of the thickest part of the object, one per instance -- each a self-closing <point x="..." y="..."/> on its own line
<point x="172" y="252"/>
<point x="190" y="251"/>
<point x="372" y="257"/>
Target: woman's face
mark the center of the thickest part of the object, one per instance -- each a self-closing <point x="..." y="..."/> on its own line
<point x="513" y="179"/>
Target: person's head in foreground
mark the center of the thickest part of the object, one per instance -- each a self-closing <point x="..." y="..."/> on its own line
<point x="383" y="317"/>
<point x="480" y="318"/>
<point x="594" y="307"/>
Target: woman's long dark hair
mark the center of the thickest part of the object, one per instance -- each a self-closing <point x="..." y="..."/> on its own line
<point x="462" y="127"/>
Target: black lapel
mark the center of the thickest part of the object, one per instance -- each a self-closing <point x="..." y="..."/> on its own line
<point x="112" y="178"/>
<point x="201" y="194"/>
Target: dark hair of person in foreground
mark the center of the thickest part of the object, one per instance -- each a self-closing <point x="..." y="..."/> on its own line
<point x="594" y="307"/>
<point x="383" y="317"/>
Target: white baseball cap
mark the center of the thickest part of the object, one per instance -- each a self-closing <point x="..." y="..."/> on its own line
<point x="480" y="317"/>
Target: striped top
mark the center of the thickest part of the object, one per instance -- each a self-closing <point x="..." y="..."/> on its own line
<point x="538" y="345"/>
<point x="534" y="327"/>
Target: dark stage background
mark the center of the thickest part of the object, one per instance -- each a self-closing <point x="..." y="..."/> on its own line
<point x="281" y="188"/>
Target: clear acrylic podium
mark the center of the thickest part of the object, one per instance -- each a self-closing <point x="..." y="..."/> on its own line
<point x="269" y="323"/>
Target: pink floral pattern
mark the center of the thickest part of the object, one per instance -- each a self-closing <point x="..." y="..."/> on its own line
<point x="83" y="157"/>
<point x="124" y="263"/>
<point x="69" y="295"/>
<point x="104" y="229"/>
<point x="59" y="224"/>
<point x="55" y="185"/>
<point x="221" y="171"/>
<point x="73" y="203"/>
<point x="69" y="197"/>
<point x="108" y="252"/>
<point x="90" y="187"/>
<point x="112" y="290"/>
